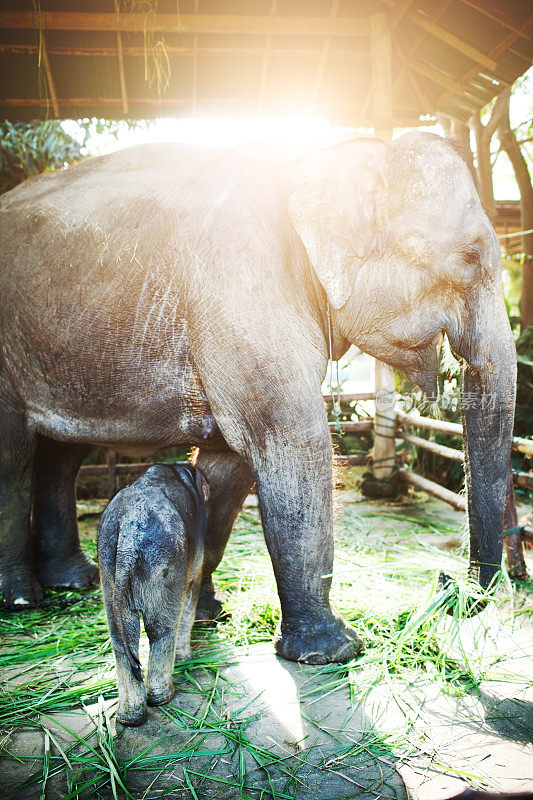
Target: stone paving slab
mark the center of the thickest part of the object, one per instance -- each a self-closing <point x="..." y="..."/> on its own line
<point x="307" y="731"/>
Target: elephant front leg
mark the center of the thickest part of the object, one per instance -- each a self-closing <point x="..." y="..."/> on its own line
<point x="294" y="484"/>
<point x="59" y="559"/>
<point x="230" y="480"/>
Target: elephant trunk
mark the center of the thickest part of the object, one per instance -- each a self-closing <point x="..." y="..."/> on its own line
<point x="487" y="401"/>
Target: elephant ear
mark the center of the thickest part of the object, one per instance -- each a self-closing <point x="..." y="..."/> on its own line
<point x="334" y="211"/>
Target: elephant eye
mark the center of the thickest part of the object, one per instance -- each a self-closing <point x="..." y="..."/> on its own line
<point x="472" y="256"/>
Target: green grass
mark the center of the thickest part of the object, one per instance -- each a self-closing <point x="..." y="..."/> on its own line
<point x="57" y="658"/>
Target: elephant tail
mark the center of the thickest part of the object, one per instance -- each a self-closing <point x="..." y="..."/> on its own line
<point x="124" y="615"/>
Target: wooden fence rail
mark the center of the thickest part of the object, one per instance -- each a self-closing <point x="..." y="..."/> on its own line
<point x="388" y="425"/>
<point x="430" y="487"/>
<point x="415" y="420"/>
<point x="433" y="447"/>
<point x="515" y="534"/>
<point x="138" y="468"/>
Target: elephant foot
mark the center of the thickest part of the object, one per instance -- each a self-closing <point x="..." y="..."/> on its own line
<point x="455" y="605"/>
<point x="75" y="571"/>
<point x="184" y="654"/>
<point x="318" y="641"/>
<point x="160" y="697"/>
<point x="210" y="604"/>
<point x="21" y="589"/>
<point x="133" y="718"/>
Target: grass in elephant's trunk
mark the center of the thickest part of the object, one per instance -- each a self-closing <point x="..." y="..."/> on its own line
<point x="57" y="657"/>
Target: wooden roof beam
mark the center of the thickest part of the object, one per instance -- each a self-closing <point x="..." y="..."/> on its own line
<point x="405" y="71"/>
<point x="187" y="23"/>
<point x="347" y="105"/>
<point x="346" y="53"/>
<point x="497" y="15"/>
<point x="423" y="98"/>
<point x="435" y="17"/>
<point x="458" y="44"/>
<point x="434" y="75"/>
<point x="500" y="48"/>
<point x="399" y="11"/>
<point x="448" y="38"/>
<point x="351" y="110"/>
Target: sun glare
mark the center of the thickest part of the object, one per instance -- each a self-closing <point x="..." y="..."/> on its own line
<point x="302" y="132"/>
<point x="298" y="131"/>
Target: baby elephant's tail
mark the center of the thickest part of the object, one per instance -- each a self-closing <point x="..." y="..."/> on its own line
<point x="126" y="619"/>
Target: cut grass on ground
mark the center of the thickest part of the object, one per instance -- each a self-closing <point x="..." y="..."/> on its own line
<point x="58" y="656"/>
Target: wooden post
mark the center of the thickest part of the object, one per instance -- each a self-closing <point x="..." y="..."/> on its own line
<point x="122" y="75"/>
<point x="195" y="40"/>
<point x="384" y="455"/>
<point x="513" y="542"/>
<point x="121" y="71"/>
<point x="461" y="133"/>
<point x="111" y="474"/>
<point x="381" y="57"/>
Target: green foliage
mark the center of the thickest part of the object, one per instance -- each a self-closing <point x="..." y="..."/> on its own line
<point x="512" y="285"/>
<point x="29" y="148"/>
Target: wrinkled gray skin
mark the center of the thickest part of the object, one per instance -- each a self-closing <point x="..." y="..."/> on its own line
<point x="166" y="294"/>
<point x="150" y="549"/>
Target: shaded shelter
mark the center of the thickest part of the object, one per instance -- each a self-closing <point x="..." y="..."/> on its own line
<point x="384" y="63"/>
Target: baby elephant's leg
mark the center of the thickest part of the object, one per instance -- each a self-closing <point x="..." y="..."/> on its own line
<point x="131" y="689"/>
<point x="183" y="643"/>
<point x="131" y="694"/>
<point x="161" y="627"/>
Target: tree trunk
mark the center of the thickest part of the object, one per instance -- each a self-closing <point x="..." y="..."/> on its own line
<point x="461" y="133"/>
<point x="484" y="167"/>
<point x="523" y="179"/>
<point x="483" y="135"/>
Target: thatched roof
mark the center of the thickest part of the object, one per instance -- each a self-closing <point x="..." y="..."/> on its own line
<point x="379" y="62"/>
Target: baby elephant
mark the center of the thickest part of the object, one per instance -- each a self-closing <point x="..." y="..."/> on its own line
<point x="150" y="547"/>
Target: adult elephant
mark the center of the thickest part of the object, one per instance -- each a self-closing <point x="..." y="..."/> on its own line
<point x="165" y="295"/>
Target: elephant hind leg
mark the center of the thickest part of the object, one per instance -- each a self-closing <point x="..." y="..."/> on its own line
<point x="59" y="559"/>
<point x="161" y="622"/>
<point x="17" y="578"/>
<point x="230" y="481"/>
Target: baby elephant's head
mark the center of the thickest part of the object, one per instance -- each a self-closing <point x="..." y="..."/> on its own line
<point x="192" y="476"/>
